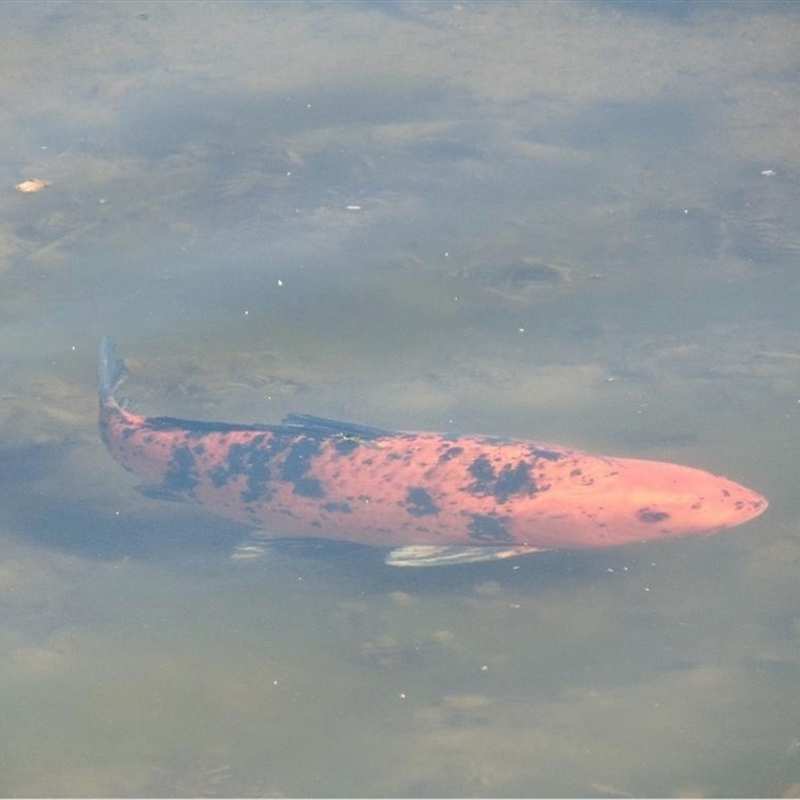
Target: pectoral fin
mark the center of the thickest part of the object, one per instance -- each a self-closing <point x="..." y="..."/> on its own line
<point x="423" y="555"/>
<point x="249" y="550"/>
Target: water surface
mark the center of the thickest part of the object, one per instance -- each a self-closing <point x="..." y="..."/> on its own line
<point x="573" y="221"/>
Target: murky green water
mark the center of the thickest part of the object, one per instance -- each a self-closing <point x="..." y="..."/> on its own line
<point x="573" y="221"/>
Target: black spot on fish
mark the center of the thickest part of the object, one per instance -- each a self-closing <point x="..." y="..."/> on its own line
<point x="485" y="528"/>
<point x="547" y="455"/>
<point x="298" y="458"/>
<point x="510" y="481"/>
<point x="346" y="446"/>
<point x="513" y="480"/>
<point x="308" y="487"/>
<point x="420" y="503"/>
<point x="235" y="464"/>
<point x="648" y="515"/>
<point x="181" y="475"/>
<point x="297" y="463"/>
<point x="484" y="474"/>
<point x="257" y="461"/>
<point x="252" y="460"/>
<point x="451" y="453"/>
<point x="338" y="508"/>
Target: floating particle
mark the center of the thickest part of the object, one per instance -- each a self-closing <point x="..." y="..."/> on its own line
<point x="31" y="185"/>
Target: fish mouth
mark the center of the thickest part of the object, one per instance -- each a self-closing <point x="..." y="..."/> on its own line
<point x="744" y="505"/>
<point x="753" y="506"/>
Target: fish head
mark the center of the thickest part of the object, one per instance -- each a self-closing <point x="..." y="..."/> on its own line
<point x="606" y="502"/>
<point x="650" y="500"/>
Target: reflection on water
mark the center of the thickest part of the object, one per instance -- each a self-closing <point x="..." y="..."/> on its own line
<point x="574" y="221"/>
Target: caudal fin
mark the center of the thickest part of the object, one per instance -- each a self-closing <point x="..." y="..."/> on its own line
<point x="111" y="369"/>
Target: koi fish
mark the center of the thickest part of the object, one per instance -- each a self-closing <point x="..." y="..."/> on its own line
<point x="434" y="498"/>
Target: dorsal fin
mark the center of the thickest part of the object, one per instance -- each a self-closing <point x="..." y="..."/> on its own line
<point x="333" y="427"/>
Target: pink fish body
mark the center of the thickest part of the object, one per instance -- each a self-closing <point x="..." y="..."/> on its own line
<point x="436" y="498"/>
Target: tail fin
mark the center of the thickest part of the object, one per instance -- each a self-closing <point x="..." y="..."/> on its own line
<point x="111" y="369"/>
